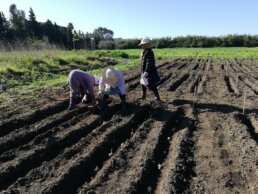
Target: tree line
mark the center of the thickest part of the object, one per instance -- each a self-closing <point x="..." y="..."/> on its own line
<point x="205" y="42"/>
<point x="21" y="33"/>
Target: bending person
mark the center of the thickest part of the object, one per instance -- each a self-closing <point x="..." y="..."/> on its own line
<point x="82" y="86"/>
<point x="112" y="83"/>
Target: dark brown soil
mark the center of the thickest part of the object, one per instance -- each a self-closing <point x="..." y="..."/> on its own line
<point x="197" y="141"/>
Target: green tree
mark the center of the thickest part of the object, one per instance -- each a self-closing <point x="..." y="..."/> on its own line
<point x="87" y="41"/>
<point x="33" y="25"/>
<point x="18" y="21"/>
<point x="69" y="35"/>
<point x="100" y="34"/>
<point x="76" y="38"/>
<point x="48" y="31"/>
<point x="3" y="26"/>
<point x="162" y="42"/>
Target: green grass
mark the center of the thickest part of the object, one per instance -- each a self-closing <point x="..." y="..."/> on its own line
<point x="34" y="69"/>
<point x="215" y="53"/>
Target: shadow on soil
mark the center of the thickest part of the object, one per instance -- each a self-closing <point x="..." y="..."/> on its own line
<point x="223" y="108"/>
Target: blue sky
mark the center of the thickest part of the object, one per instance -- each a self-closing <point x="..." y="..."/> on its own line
<point x="147" y="18"/>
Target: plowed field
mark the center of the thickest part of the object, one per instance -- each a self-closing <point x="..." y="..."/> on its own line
<point x="197" y="141"/>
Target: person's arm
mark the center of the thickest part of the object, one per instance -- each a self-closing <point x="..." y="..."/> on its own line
<point x="149" y="61"/>
<point x="121" y="83"/>
<point x="102" y="85"/>
<point x="143" y="62"/>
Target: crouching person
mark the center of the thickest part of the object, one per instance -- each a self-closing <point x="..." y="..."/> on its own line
<point x="112" y="83"/>
<point x="82" y="86"/>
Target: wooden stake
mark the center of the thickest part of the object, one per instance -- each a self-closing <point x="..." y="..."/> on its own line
<point x="244" y="101"/>
<point x="195" y="89"/>
<point x="237" y="80"/>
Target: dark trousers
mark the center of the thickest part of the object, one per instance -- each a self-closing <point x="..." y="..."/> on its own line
<point x="153" y="89"/>
<point x="104" y="102"/>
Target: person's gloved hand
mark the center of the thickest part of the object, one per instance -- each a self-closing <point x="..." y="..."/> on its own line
<point x="100" y="95"/>
<point x="84" y="99"/>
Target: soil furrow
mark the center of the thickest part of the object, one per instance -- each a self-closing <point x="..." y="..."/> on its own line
<point x="171" y="66"/>
<point x="40" y="139"/>
<point x="243" y="66"/>
<point x="164" y="79"/>
<point x="50" y="171"/>
<point x="196" y="67"/>
<point x="193" y="87"/>
<point x="135" y="159"/>
<point x="9" y="126"/>
<point x="209" y="66"/>
<point x="220" y="156"/>
<point x="120" y="160"/>
<point x="204" y="65"/>
<point x="95" y="154"/>
<point x="186" y="84"/>
<point x="151" y="171"/>
<point x="182" y="66"/>
<point x="231" y="86"/>
<point x="249" y="124"/>
<point x="47" y="149"/>
<point x="202" y="84"/>
<point x="254" y="121"/>
<point x="22" y="136"/>
<point x="190" y="143"/>
<point x="230" y="89"/>
<point x="178" y="83"/>
<point x="233" y="67"/>
<point x="250" y="84"/>
<point x="177" y="169"/>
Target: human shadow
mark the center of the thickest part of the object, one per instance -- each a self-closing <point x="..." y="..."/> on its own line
<point x="213" y="107"/>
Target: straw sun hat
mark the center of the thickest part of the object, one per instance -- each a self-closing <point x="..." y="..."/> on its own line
<point x="110" y="76"/>
<point x="144" y="41"/>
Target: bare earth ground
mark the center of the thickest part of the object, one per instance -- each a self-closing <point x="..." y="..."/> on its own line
<point x="198" y="141"/>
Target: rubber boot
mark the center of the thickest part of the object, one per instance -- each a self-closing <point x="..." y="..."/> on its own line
<point x="123" y="103"/>
<point x="144" y="90"/>
<point x="156" y="93"/>
<point x="72" y="103"/>
<point x="104" y="106"/>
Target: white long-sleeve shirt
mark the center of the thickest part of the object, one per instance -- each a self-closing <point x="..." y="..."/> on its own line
<point x="103" y="86"/>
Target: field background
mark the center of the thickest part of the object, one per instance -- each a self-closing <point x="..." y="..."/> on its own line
<point x="50" y="67"/>
<point x="23" y="72"/>
<point x="202" y="139"/>
<point x="199" y="140"/>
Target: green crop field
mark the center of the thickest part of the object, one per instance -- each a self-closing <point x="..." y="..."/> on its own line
<point x="33" y="69"/>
